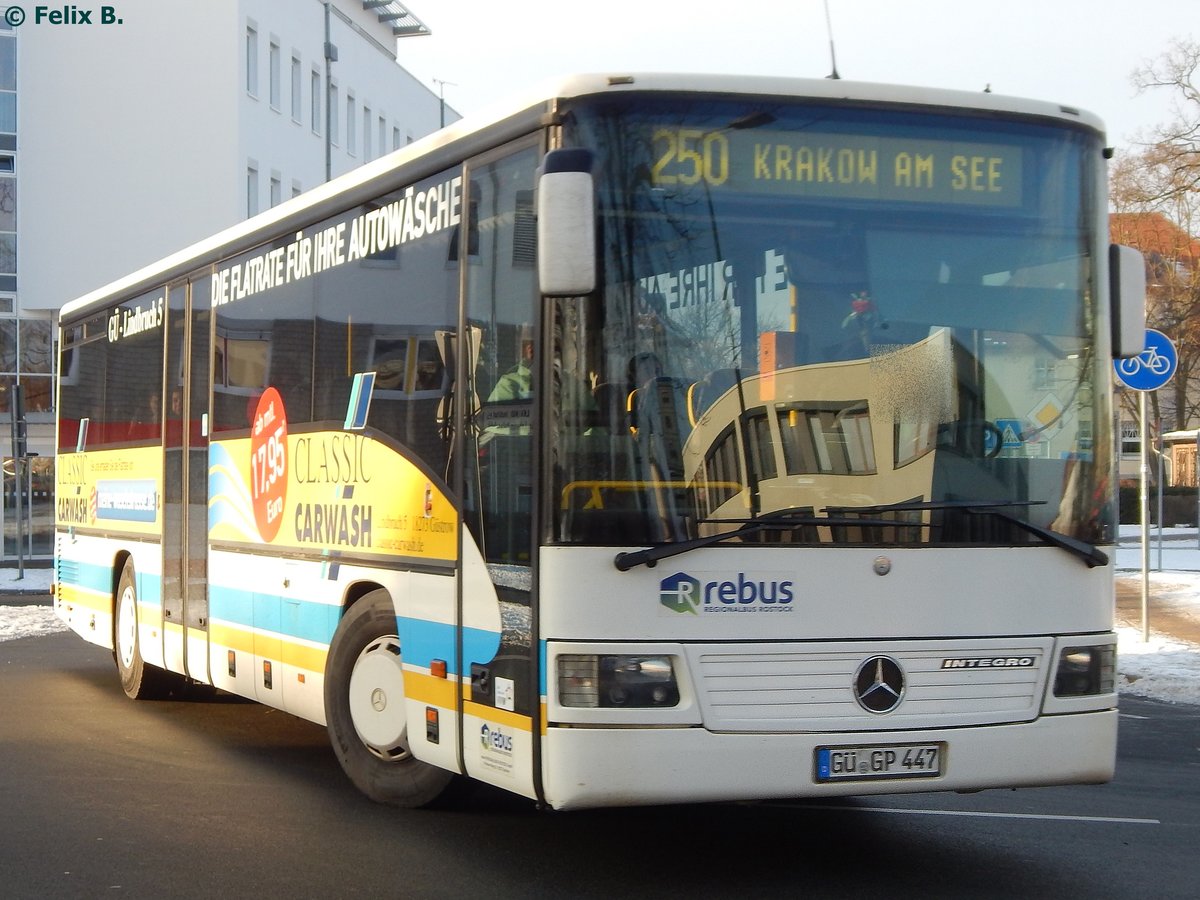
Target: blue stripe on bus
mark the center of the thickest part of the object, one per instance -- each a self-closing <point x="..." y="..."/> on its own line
<point x="421" y="641"/>
<point x="89" y="576"/>
<point x="285" y="616"/>
<point x="149" y="589"/>
<point x="98" y="578"/>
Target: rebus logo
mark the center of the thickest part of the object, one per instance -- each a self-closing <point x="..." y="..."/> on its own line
<point x="495" y="739"/>
<point x="681" y="593"/>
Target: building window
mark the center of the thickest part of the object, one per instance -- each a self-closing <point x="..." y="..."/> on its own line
<point x="8" y="64"/>
<point x="830" y="439"/>
<point x="332" y="102"/>
<point x="315" y="101"/>
<point x="297" y="80"/>
<point x="297" y="190"/>
<point x="407" y="365"/>
<point x="251" y="60"/>
<point x="366" y="133"/>
<point x="395" y="138"/>
<point x="1131" y="439"/>
<point x="27" y="355"/>
<point x="383" y="148"/>
<point x="351" y="143"/>
<point x="8" y="253"/>
<point x="241" y="361"/>
<point x="251" y="190"/>
<point x="276" y="189"/>
<point x="8" y="202"/>
<point x="8" y="84"/>
<point x="276" y="62"/>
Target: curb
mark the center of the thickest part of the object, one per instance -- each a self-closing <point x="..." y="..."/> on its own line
<point x="25" y="598"/>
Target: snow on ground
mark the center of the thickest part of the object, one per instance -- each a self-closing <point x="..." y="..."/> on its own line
<point x="1163" y="668"/>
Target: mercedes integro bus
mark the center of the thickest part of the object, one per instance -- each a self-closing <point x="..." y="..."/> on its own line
<point x="656" y="439"/>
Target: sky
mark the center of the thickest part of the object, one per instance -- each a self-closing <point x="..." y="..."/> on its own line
<point x="1163" y="668"/>
<point x="1077" y="52"/>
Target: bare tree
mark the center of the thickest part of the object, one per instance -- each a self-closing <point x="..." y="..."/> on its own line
<point x="1176" y="143"/>
<point x="1155" y="196"/>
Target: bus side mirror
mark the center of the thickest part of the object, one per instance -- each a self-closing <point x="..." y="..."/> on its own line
<point x="1127" y="290"/>
<point x="566" y="230"/>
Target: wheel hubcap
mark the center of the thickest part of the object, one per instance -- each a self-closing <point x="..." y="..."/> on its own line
<point x="126" y="628"/>
<point x="377" y="699"/>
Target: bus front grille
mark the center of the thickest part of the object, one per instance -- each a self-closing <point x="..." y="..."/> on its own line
<point x="815" y="686"/>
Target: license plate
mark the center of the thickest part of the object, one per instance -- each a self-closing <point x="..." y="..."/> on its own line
<point x="879" y="761"/>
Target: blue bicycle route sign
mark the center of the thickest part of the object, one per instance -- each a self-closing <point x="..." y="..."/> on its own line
<point x="1153" y="367"/>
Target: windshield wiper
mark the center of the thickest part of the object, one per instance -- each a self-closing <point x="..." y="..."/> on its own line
<point x="783" y="519"/>
<point x="1091" y="555"/>
<point x="778" y="521"/>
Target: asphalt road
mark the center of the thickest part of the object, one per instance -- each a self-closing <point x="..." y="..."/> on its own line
<point x="208" y="796"/>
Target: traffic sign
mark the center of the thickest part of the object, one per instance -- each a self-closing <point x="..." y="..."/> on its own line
<point x="1010" y="433"/>
<point x="1153" y="367"/>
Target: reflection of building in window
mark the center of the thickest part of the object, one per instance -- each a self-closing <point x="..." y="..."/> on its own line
<point x="26" y="355"/>
<point x="721" y="469"/>
<point x="827" y="438"/>
<point x="407" y="364"/>
<point x="241" y="360"/>
<point x="914" y="440"/>
<point x="762" y="454"/>
<point x="1044" y="375"/>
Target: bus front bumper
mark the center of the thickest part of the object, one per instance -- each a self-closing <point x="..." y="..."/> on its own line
<point x="590" y="767"/>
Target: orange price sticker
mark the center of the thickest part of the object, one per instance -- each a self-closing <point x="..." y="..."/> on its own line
<point x="268" y="463"/>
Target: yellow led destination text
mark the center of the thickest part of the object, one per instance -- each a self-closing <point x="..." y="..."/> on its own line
<point x="839" y="166"/>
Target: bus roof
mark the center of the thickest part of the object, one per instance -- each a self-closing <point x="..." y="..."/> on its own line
<point x="517" y="117"/>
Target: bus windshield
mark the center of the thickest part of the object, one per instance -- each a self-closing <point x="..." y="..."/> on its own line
<point x="886" y="320"/>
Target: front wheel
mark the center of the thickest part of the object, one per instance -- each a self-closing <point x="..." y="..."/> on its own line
<point x="365" y="709"/>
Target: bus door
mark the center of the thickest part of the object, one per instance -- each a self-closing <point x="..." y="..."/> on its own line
<point x="185" y="479"/>
<point x="500" y="720"/>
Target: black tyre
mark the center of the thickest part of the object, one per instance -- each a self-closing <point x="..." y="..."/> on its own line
<point x="139" y="680"/>
<point x="365" y="709"/>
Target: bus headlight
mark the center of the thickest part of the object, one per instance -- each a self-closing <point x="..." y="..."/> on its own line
<point x="616" y="681"/>
<point x="1083" y="671"/>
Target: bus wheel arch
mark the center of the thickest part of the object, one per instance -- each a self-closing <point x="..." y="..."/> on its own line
<point x="365" y="708"/>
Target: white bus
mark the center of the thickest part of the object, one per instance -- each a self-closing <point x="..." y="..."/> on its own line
<point x="660" y="439"/>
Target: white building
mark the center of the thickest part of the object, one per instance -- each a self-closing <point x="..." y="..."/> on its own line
<point x="146" y="125"/>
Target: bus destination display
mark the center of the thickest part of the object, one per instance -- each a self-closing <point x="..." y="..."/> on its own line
<point x="839" y="166"/>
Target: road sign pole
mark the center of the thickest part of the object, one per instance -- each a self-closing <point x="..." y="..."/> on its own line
<point x="1144" y="506"/>
<point x="1158" y="454"/>
<point x="1148" y="371"/>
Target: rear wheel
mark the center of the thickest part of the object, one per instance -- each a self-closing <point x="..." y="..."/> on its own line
<point x="365" y="709"/>
<point x="138" y="679"/>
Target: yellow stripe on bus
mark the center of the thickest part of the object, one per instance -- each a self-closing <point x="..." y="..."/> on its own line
<point x="300" y="656"/>
<point x="429" y="689"/>
<point x="99" y="601"/>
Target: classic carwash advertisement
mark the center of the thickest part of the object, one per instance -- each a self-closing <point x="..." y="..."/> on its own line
<point x="117" y="490"/>
<point x="342" y="492"/>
